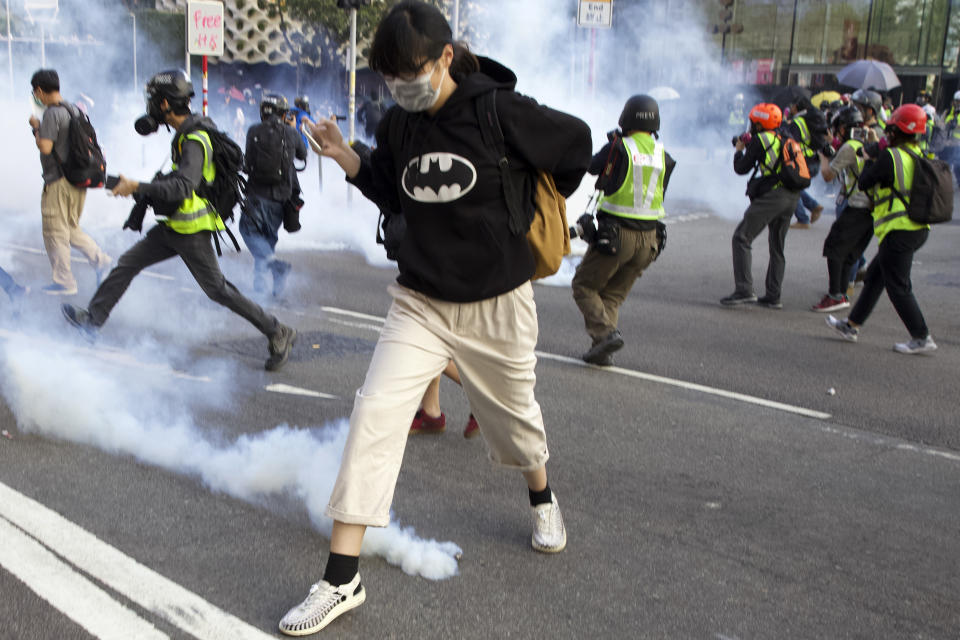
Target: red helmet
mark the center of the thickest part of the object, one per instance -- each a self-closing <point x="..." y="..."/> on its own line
<point x="909" y="118"/>
<point x="767" y="115"/>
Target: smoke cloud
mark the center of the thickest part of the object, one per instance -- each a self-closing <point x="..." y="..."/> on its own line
<point x="130" y="403"/>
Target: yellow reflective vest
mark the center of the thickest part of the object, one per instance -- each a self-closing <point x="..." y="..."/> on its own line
<point x="640" y="196"/>
<point x="889" y="210"/>
<point x="196" y="214"/>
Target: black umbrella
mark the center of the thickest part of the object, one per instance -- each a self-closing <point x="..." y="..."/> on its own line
<point x="789" y="95"/>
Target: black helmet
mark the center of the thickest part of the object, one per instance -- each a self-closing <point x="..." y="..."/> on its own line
<point x="640" y="113"/>
<point x="273" y="104"/>
<point x="302" y="102"/>
<point x="174" y="85"/>
<point x="848" y="117"/>
<point x="867" y="98"/>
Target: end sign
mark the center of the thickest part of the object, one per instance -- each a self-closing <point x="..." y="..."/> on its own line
<point x="595" y="14"/>
<point x="205" y="28"/>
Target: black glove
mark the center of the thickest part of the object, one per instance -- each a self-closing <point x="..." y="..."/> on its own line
<point x="613" y="134"/>
<point x="661" y="238"/>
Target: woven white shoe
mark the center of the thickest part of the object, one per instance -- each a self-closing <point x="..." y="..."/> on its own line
<point x="549" y="534"/>
<point x="323" y="605"/>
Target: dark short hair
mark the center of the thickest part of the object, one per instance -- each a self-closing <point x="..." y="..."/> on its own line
<point x="411" y="34"/>
<point x="46" y="79"/>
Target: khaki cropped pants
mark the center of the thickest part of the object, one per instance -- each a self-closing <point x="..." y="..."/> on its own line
<point x="61" y="205"/>
<point x="492" y="343"/>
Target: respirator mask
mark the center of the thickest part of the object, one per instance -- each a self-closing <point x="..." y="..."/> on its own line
<point x="150" y="121"/>
<point x="417" y="94"/>
<point x="37" y="106"/>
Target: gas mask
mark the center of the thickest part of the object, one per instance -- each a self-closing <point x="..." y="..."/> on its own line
<point x="417" y="94"/>
<point x="150" y="121"/>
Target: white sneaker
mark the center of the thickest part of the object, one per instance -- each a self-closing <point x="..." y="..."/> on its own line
<point x="920" y="345"/>
<point x="549" y="534"/>
<point x="323" y="605"/>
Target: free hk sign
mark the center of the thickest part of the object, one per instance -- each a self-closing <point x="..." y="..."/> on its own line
<point x="205" y="28"/>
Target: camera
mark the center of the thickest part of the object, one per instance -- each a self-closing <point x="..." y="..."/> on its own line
<point x="858" y="133"/>
<point x="743" y="137"/>
<point x="584" y="228"/>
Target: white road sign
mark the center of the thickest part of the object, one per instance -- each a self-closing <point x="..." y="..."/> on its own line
<point x="595" y="14"/>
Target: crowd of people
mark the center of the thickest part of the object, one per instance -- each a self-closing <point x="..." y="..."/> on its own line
<point x="463" y="303"/>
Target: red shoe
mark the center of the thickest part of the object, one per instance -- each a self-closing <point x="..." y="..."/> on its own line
<point x="472" y="429"/>
<point x="422" y="423"/>
<point x="829" y="303"/>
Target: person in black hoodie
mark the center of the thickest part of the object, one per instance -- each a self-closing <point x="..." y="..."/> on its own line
<point x="188" y="221"/>
<point x="464" y="289"/>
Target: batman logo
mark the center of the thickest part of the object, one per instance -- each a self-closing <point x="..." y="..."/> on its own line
<point x="438" y="177"/>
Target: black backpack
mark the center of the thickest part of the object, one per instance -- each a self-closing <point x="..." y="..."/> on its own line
<point x="269" y="154"/>
<point x="84" y="165"/>
<point x="229" y="187"/>
<point x="930" y="200"/>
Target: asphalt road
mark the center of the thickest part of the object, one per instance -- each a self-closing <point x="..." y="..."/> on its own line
<point x="696" y="507"/>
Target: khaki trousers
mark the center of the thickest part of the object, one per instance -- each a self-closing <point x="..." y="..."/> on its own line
<point x="602" y="282"/>
<point x="492" y="343"/>
<point x="61" y="205"/>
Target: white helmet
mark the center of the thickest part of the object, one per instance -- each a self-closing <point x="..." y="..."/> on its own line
<point x="956" y="96"/>
<point x="930" y="110"/>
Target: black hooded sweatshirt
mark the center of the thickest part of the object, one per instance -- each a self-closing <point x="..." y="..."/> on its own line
<point x="446" y="182"/>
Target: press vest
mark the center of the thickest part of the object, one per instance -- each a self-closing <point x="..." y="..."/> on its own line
<point x="804" y="135"/>
<point x="772" y="145"/>
<point x="953" y="117"/>
<point x="852" y="174"/>
<point x="640" y="196"/>
<point x="196" y="214"/>
<point x="889" y="211"/>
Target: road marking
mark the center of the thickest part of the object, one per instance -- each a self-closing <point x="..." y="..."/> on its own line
<point x="68" y="591"/>
<point x="23" y="249"/>
<point x="136" y="582"/>
<point x="297" y="391"/>
<point x="105" y="354"/>
<point x="692" y="386"/>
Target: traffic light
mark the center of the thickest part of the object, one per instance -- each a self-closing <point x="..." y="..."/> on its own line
<point x="725" y="23"/>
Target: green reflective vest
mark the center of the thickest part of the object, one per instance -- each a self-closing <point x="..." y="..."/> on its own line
<point x="889" y="211"/>
<point x="852" y="174"/>
<point x="196" y="214"/>
<point x="640" y="196"/>
<point x="772" y="145"/>
<point x="953" y="117"/>
<point x="805" y="138"/>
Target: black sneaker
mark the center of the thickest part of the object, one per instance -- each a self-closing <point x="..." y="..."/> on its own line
<point x="280" y="270"/>
<point x="736" y="298"/>
<point x="600" y="353"/>
<point x="769" y="303"/>
<point x="79" y="318"/>
<point x="281" y="342"/>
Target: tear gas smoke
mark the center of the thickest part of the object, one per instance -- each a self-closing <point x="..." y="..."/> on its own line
<point x="72" y="394"/>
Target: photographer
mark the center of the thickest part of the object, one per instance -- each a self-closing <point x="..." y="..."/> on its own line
<point x="808" y="126"/>
<point x="187" y="224"/>
<point x="273" y="191"/>
<point x="889" y="179"/>
<point x="851" y="232"/>
<point x="771" y="206"/>
<point x="634" y="171"/>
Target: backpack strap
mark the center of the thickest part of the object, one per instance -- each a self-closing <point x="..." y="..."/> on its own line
<point x="492" y="134"/>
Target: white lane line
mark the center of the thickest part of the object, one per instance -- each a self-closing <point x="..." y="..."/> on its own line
<point x="23" y="249"/>
<point x="69" y="592"/>
<point x="155" y="593"/>
<point x="692" y="386"/>
<point x="298" y="391"/>
<point x="106" y="354"/>
<point x="356" y="325"/>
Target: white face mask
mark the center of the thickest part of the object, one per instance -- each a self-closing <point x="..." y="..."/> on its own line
<point x="38" y="107"/>
<point x="417" y="94"/>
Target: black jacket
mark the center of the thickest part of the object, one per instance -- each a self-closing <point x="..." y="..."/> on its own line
<point x="170" y="189"/>
<point x="295" y="147"/>
<point x="445" y="180"/>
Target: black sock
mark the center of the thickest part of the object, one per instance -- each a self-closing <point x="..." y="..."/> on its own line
<point x="540" y="497"/>
<point x="340" y="568"/>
